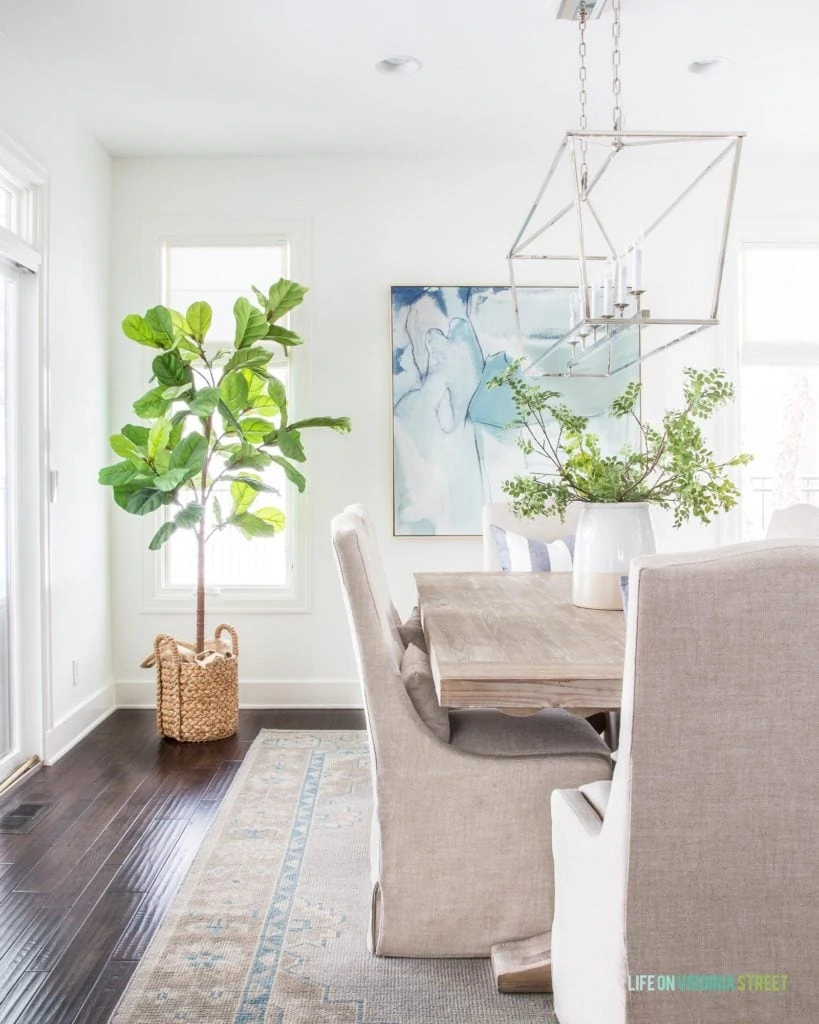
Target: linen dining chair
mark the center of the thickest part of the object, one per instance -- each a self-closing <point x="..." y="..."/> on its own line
<point x="542" y="528"/>
<point x="460" y="839"/>
<point x="801" y="520"/>
<point x="700" y="857"/>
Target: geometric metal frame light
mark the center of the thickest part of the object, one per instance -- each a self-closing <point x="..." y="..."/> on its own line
<point x="593" y="333"/>
<point x="601" y="313"/>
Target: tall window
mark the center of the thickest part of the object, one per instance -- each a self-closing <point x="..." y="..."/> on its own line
<point x="219" y="274"/>
<point x="779" y="379"/>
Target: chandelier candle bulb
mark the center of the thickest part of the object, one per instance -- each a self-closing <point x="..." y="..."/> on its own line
<point x="636" y="283"/>
<point x="622" y="284"/>
<point x="608" y="290"/>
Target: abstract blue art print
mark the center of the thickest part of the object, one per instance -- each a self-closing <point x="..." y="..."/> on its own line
<point x="452" y="450"/>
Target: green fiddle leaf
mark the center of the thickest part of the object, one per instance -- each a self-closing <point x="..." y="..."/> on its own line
<point x="177" y="391"/>
<point x="123" y="492"/>
<point x="251" y="324"/>
<point x="171" y="479"/>
<point x="258" y="400"/>
<point x="158" y="437"/>
<point x="119" y="474"/>
<point x="228" y="416"/>
<point x="341" y="424"/>
<point x="199" y="317"/>
<point x="261" y="298"/>
<point x="152" y="404"/>
<point x="137" y="434"/>
<point x="277" y="391"/>
<point x="145" y="500"/>
<point x="255" y="429"/>
<point x="243" y="497"/>
<point x="284" y="295"/>
<point x="177" y="426"/>
<point x="190" y="454"/>
<point x="138" y="329"/>
<point x="163" y="534"/>
<point x="252" y="481"/>
<point x="245" y="456"/>
<point x="217" y="512"/>
<point x="255" y="526"/>
<point x="126" y="449"/>
<point x="233" y="390"/>
<point x="180" y="324"/>
<point x="273" y="516"/>
<point x="285" y="338"/>
<point x="190" y="516"/>
<point x="290" y="471"/>
<point x="255" y="359"/>
<point x="161" y="323"/>
<point x="204" y="402"/>
<point x="289" y="443"/>
<point x="171" y="371"/>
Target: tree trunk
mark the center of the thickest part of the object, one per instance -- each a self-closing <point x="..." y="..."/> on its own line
<point x="201" y="537"/>
<point x="200" y="587"/>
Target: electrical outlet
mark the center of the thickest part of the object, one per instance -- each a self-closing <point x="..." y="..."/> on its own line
<point x="75" y="671"/>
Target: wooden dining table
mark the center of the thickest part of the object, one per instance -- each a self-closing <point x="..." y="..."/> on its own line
<point x="515" y="642"/>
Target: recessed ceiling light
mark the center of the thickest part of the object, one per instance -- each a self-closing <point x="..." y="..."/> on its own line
<point x="399" y="65"/>
<point x="710" y="65"/>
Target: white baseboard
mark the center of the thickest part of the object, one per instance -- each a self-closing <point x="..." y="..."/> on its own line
<point x="324" y="693"/>
<point x="70" y="729"/>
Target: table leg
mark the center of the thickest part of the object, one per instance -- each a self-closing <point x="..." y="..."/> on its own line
<point x="524" y="965"/>
<point x="611" y="733"/>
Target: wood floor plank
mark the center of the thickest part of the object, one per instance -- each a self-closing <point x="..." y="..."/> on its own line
<point x="68" y="984"/>
<point x="140" y="930"/>
<point x="70" y="920"/>
<point x="82" y="895"/>
<point x="106" y="992"/>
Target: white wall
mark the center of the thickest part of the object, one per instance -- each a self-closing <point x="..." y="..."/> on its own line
<point x="78" y="272"/>
<point x="374" y="223"/>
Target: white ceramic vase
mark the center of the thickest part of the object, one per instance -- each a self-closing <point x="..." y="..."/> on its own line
<point x="608" y="537"/>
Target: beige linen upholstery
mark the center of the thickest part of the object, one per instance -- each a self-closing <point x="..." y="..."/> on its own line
<point x="460" y="847"/>
<point x="795" y="521"/>
<point x="545" y="528"/>
<point x="703" y="857"/>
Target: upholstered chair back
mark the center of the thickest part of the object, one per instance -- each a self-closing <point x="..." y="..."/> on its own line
<point x="715" y="791"/>
<point x="378" y="576"/>
<point x="800" y="520"/>
<point x="543" y="528"/>
<point x="378" y="647"/>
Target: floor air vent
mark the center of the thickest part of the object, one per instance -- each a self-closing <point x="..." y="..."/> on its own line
<point x="24" y="818"/>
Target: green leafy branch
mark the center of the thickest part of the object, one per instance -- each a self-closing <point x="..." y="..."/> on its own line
<point x="672" y="466"/>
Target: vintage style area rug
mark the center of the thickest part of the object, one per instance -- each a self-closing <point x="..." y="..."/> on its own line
<point x="270" y="925"/>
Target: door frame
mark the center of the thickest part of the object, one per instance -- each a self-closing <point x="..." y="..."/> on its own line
<point x="29" y="576"/>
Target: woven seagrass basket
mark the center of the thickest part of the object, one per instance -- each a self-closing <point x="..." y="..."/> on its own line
<point x="195" y="702"/>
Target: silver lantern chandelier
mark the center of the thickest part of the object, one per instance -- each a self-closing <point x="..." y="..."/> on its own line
<point x="641" y="218"/>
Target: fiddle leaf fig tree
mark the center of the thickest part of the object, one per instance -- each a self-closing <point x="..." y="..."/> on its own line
<point x="212" y="423"/>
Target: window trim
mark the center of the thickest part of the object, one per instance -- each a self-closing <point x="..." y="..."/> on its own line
<point x="295" y="598"/>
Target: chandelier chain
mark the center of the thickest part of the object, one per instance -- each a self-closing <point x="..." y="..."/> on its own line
<point x="617" y="113"/>
<point x="582" y="18"/>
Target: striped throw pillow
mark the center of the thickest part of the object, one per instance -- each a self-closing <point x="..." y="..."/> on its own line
<point x="522" y="554"/>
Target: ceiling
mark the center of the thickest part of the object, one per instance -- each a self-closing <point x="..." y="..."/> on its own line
<point x="295" y="77"/>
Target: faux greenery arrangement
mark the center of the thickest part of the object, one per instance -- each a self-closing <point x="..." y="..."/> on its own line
<point x="672" y="467"/>
<point x="212" y="417"/>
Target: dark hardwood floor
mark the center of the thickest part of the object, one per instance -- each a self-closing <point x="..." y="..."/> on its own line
<point x="82" y="893"/>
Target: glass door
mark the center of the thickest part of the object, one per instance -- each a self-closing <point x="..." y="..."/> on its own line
<point x="10" y="705"/>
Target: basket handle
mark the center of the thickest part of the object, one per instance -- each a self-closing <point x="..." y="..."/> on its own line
<point x="164" y="638"/>
<point x="223" y="627"/>
<point x="170" y="644"/>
